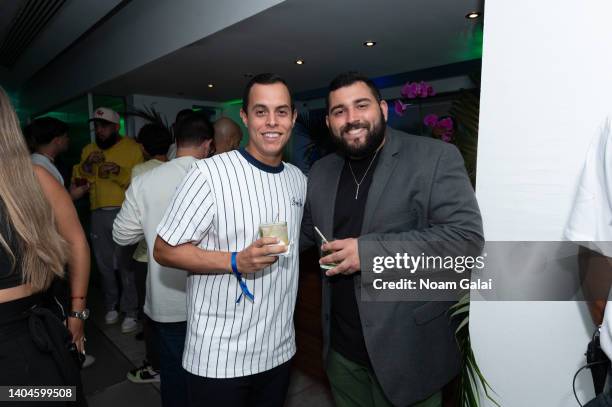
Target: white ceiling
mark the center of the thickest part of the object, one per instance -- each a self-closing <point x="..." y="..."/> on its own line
<point x="328" y="35"/>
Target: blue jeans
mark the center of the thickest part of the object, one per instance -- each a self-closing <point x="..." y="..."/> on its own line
<point x="171" y="340"/>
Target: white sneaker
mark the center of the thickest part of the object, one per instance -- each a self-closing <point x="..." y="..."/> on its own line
<point x="143" y="374"/>
<point x="129" y="325"/>
<point x="111" y="317"/>
<point x="89" y="360"/>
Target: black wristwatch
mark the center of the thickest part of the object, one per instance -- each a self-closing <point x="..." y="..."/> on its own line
<point x="80" y="314"/>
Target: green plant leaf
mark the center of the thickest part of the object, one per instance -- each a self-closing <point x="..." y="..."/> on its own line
<point x="463" y="309"/>
<point x="471" y="378"/>
<point x="462" y="324"/>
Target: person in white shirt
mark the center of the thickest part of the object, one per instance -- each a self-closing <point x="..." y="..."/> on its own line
<point x="47" y="137"/>
<point x="154" y="140"/>
<point x="590" y="226"/>
<point x="145" y="203"/>
<point x="180" y="116"/>
<point x="240" y="293"/>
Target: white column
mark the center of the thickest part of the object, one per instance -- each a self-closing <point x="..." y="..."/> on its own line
<point x="90" y="111"/>
<point x="546" y="89"/>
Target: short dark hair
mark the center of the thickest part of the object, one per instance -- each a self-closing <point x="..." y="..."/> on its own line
<point x="43" y="130"/>
<point x="182" y="115"/>
<point x="155" y="139"/>
<point x="194" y="130"/>
<point x="349" y="78"/>
<point x="264" y="79"/>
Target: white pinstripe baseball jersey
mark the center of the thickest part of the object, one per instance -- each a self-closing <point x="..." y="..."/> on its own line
<point x="219" y="206"/>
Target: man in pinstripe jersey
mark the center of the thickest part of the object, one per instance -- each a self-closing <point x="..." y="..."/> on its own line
<point x="240" y="293"/>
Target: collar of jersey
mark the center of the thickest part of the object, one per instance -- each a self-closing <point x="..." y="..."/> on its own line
<point x="264" y="167"/>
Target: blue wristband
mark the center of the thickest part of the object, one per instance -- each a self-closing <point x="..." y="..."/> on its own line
<point x="243" y="287"/>
<point x="234" y="265"/>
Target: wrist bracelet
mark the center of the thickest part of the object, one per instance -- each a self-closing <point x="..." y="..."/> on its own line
<point x="234" y="264"/>
<point x="243" y="286"/>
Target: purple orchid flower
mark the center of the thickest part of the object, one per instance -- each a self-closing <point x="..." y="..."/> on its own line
<point x="406" y="92"/>
<point x="430" y="120"/>
<point x="423" y="89"/>
<point x="400" y="108"/>
<point x="430" y="90"/>
<point x="446" y="123"/>
<point x="411" y="90"/>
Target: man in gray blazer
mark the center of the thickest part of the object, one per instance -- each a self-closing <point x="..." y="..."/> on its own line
<point x="383" y="186"/>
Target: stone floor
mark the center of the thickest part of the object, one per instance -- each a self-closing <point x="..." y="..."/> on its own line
<point x="105" y="382"/>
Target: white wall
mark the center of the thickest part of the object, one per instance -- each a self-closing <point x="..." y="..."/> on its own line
<point x="545" y="92"/>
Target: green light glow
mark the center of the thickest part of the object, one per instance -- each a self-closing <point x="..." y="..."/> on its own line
<point x="476" y="43"/>
<point x="233" y="102"/>
<point x="469" y="43"/>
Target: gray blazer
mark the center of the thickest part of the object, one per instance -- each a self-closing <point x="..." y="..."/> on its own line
<point x="420" y="192"/>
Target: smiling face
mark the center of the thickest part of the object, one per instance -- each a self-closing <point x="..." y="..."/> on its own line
<point x="269" y="120"/>
<point x="356" y="119"/>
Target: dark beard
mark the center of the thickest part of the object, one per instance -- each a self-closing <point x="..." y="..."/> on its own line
<point x="372" y="142"/>
<point x="109" y="142"/>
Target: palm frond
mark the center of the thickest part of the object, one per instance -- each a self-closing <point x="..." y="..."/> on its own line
<point x="150" y="114"/>
<point x="471" y="379"/>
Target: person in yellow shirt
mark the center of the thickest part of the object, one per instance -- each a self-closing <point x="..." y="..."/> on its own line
<point x="107" y="166"/>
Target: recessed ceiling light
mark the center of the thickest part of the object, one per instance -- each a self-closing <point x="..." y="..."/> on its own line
<point x="473" y="15"/>
<point x="299" y="61"/>
<point x="369" y="43"/>
<point x="210" y="85"/>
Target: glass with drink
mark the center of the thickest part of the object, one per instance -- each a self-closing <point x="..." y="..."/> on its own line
<point x="278" y="230"/>
<point x="328" y="266"/>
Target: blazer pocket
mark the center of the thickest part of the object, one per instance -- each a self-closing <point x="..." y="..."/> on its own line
<point x="430" y="311"/>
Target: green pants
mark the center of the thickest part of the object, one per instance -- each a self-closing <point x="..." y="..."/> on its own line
<point x="354" y="385"/>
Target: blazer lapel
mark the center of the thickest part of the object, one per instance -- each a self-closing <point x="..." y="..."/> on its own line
<point x="327" y="195"/>
<point x="382" y="174"/>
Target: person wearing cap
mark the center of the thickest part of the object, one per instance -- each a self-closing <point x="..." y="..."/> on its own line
<point x="107" y="166"/>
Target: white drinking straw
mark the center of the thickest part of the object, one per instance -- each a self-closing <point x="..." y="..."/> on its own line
<point x="321" y="234"/>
